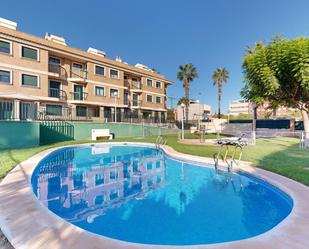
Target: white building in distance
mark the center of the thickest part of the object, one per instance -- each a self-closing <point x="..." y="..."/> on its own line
<point x="240" y="106"/>
<point x="197" y="111"/>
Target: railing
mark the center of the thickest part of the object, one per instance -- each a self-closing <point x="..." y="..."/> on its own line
<point x="79" y="73"/>
<point x="136" y="85"/>
<point x="78" y="95"/>
<point x="136" y="103"/>
<point x="57" y="93"/>
<point x="58" y="69"/>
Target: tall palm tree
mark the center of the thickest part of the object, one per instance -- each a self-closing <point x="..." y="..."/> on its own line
<point x="187" y="74"/>
<point x="219" y="76"/>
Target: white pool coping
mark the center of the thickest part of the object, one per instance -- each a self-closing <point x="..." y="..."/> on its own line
<point x="29" y="225"/>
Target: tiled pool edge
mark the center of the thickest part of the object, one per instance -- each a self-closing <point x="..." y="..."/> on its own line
<point x="28" y="224"/>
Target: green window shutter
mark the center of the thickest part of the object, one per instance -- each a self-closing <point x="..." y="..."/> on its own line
<point x="29" y="53"/>
<point x="29" y="80"/>
<point x="5" y="76"/>
<point x="5" y="47"/>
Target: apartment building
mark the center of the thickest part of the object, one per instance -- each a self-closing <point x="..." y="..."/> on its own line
<point x="197" y="111"/>
<point x="45" y="79"/>
<point x="237" y="107"/>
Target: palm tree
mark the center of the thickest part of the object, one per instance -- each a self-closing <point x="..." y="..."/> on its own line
<point x="218" y="76"/>
<point x="187" y="74"/>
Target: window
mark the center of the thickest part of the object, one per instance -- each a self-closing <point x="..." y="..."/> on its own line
<point x="54" y="110"/>
<point x="158" y="100"/>
<point x="29" y="80"/>
<point x="54" y="89"/>
<point x="99" y="200"/>
<point x="5" y="77"/>
<point x="113" y="93"/>
<point x="94" y="112"/>
<point x="30" y="53"/>
<point x="113" y="175"/>
<point x="135" y="99"/>
<point x="158" y="84"/>
<point x="53" y="60"/>
<point x="5" y="47"/>
<point x="99" y="91"/>
<point x="77" y="66"/>
<point x="149" y="82"/>
<point x="114" y="74"/>
<point x="149" y="98"/>
<point x="81" y="111"/>
<point x="126" y="98"/>
<point x="99" y="70"/>
<point x="99" y="179"/>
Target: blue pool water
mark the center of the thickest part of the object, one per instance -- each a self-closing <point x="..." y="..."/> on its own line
<point x="139" y="194"/>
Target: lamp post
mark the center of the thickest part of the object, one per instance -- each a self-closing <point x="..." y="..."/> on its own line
<point x="115" y="96"/>
<point x="182" y="122"/>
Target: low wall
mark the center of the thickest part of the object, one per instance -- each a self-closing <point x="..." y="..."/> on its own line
<point x="18" y="134"/>
<point x="82" y="131"/>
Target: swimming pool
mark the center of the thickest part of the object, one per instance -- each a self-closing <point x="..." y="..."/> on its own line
<point x="141" y="195"/>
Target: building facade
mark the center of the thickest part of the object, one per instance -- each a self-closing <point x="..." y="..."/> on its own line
<point x="237" y="107"/>
<point x="197" y="111"/>
<point x="46" y="79"/>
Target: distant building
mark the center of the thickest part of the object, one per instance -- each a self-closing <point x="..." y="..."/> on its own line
<point x="197" y="111"/>
<point x="237" y="107"/>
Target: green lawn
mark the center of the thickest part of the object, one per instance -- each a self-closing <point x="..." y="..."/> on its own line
<point x="280" y="155"/>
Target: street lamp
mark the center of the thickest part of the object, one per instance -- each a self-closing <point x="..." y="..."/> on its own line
<point x="182" y="122"/>
<point x="115" y="96"/>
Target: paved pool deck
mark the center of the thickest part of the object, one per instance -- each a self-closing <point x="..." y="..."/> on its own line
<point x="29" y="225"/>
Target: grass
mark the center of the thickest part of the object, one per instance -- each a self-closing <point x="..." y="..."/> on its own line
<point x="280" y="155"/>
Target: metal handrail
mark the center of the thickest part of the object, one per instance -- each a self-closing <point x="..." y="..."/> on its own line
<point x="79" y="95"/>
<point x="80" y="73"/>
<point x="240" y="143"/>
<point x="57" y="93"/>
<point x="56" y="68"/>
<point x="160" y="141"/>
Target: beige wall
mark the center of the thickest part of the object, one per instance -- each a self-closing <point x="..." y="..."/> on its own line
<point x="18" y="65"/>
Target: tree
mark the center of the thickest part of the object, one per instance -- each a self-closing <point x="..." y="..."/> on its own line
<point x="219" y="76"/>
<point x="187" y="74"/>
<point x="182" y="100"/>
<point x="278" y="72"/>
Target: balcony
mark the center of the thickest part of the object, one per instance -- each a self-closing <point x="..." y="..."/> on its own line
<point x="79" y="75"/>
<point x="136" y="87"/>
<point x="79" y="95"/>
<point x="137" y="103"/>
<point x="57" y="69"/>
<point x="56" y="93"/>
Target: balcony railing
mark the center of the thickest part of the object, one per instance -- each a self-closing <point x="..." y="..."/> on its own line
<point x="57" y="93"/>
<point x="136" y="86"/>
<point x="79" y="73"/>
<point x="78" y="95"/>
<point x="56" y="68"/>
<point x="137" y="103"/>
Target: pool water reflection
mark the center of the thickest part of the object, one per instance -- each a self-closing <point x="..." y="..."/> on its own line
<point x="139" y="194"/>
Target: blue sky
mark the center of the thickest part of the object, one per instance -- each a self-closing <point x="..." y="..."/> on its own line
<point x="166" y="33"/>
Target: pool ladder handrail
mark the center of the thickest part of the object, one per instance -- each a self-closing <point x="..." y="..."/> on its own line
<point x="239" y="143"/>
<point x="161" y="141"/>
